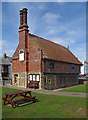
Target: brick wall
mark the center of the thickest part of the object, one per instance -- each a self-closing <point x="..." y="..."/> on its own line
<point x="60" y="67"/>
<point x="54" y="81"/>
<point x="34" y="57"/>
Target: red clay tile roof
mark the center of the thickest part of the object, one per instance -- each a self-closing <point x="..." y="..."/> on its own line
<point x="52" y="50"/>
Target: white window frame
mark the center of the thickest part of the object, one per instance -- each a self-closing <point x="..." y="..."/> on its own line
<point x="30" y="77"/>
<point x="34" y="77"/>
<point x="21" y="55"/>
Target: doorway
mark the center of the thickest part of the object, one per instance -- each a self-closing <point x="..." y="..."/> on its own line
<point x="15" y="79"/>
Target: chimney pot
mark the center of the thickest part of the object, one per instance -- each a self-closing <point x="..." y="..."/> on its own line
<point x="23" y="18"/>
<point x="25" y="9"/>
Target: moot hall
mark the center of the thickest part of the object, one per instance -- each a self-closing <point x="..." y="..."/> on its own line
<point x="37" y="60"/>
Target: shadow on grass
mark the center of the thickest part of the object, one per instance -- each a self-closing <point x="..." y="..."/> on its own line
<point x="24" y="103"/>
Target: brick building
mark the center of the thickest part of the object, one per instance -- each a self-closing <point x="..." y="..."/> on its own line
<point x="38" y="59"/>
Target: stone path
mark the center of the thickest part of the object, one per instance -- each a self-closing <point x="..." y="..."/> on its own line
<point x="54" y="92"/>
<point x="63" y="93"/>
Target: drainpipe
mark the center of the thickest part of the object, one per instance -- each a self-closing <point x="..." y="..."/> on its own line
<point x="41" y="67"/>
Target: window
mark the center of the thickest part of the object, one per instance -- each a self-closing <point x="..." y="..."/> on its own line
<point x="47" y="79"/>
<point x="34" y="77"/>
<point x="15" y="78"/>
<point x="21" y="55"/>
<point x="37" y="77"/>
<point x="30" y="77"/>
<point x="73" y="66"/>
<point x="51" y="64"/>
<point x="70" y="79"/>
<point x="62" y="80"/>
<point x="21" y="51"/>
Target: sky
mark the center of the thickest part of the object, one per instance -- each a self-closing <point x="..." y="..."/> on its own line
<point x="60" y="22"/>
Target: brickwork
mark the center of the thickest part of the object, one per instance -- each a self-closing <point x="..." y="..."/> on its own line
<point x="60" y="67"/>
<point x="34" y="57"/>
<point x="21" y="80"/>
<point x="42" y="80"/>
<point x="53" y="81"/>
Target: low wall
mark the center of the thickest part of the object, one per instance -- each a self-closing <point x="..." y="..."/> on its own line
<point x="83" y="81"/>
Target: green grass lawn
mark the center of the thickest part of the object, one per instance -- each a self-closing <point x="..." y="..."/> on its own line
<point x="78" y="88"/>
<point x="47" y="106"/>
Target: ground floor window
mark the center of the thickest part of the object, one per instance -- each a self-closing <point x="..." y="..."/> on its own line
<point x="62" y="80"/>
<point x="34" y="77"/>
<point x="72" y="79"/>
<point x="47" y="79"/>
<point x="15" y="78"/>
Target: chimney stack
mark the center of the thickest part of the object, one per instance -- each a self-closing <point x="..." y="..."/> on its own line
<point x="23" y="18"/>
<point x="5" y="55"/>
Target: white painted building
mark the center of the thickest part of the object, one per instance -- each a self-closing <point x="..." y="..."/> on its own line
<point x="86" y="67"/>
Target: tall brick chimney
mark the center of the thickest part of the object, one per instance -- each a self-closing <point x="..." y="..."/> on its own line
<point x="23" y="44"/>
<point x="23" y="29"/>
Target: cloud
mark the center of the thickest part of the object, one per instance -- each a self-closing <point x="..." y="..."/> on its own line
<point x="81" y="56"/>
<point x="40" y="6"/>
<point x="64" y="42"/>
<point x="0" y="45"/>
<point x="72" y="32"/>
<point x="7" y="47"/>
<point x="80" y="49"/>
<point x="80" y="53"/>
<point x="51" y="31"/>
<point x="50" y="17"/>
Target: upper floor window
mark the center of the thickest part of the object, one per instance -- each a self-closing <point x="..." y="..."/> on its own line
<point x="21" y="55"/>
<point x="73" y="66"/>
<point x="51" y="64"/>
